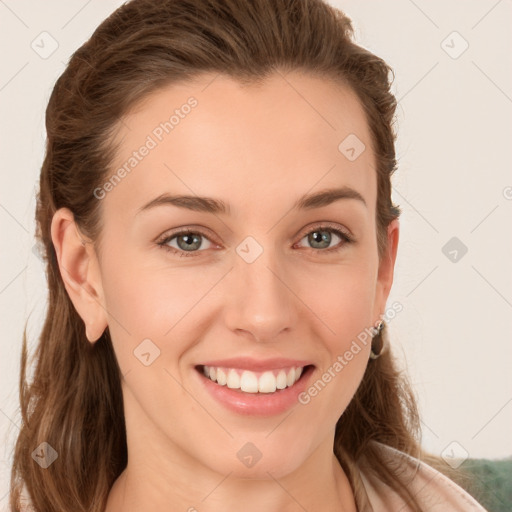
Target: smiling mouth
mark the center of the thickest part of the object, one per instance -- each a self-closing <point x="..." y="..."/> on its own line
<point x="246" y="381"/>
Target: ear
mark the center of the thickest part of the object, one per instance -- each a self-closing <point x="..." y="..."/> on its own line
<point x="386" y="269"/>
<point x="80" y="272"/>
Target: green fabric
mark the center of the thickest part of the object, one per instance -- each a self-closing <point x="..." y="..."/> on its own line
<point x="492" y="485"/>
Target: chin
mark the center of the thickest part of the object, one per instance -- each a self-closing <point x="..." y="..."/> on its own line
<point x="249" y="462"/>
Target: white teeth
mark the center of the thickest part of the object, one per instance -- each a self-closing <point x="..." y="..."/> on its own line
<point x="267" y="383"/>
<point x="221" y="376"/>
<point x="281" y="380"/>
<point x="249" y="382"/>
<point x="233" y="381"/>
<point x="290" y="378"/>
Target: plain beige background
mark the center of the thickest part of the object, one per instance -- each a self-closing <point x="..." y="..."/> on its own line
<point x="454" y="86"/>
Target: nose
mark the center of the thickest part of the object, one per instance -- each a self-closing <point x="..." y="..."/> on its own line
<point x="262" y="304"/>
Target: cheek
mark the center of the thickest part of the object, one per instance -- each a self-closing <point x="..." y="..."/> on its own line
<point x="343" y="307"/>
<point x="156" y="302"/>
<point x="342" y="300"/>
<point x="162" y="302"/>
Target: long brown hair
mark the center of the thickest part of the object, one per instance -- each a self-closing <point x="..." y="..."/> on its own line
<point x="74" y="401"/>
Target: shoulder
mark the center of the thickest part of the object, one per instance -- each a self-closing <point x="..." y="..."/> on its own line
<point x="434" y="491"/>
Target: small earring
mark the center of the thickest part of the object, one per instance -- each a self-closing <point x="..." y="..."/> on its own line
<point x="379" y="340"/>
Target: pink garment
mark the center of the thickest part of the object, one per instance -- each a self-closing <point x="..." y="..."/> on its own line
<point x="434" y="491"/>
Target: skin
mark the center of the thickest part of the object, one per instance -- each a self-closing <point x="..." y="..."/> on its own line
<point x="249" y="146"/>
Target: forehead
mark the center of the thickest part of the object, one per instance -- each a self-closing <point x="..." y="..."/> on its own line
<point x="245" y="144"/>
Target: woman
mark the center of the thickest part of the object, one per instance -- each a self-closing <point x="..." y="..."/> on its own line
<point x="256" y="374"/>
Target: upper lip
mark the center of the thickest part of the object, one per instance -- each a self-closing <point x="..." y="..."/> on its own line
<point x="249" y="363"/>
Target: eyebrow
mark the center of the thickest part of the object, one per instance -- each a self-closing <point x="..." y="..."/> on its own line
<point x="216" y="206"/>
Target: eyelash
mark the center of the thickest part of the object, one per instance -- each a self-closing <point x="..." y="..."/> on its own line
<point x="346" y="238"/>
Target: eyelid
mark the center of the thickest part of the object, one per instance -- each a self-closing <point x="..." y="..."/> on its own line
<point x="186" y="229"/>
<point x="166" y="237"/>
<point x="327" y="224"/>
<point x="347" y="237"/>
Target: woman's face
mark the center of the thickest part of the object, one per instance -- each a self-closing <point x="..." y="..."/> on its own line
<point x="266" y="280"/>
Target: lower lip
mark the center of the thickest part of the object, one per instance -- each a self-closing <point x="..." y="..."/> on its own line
<point x="260" y="404"/>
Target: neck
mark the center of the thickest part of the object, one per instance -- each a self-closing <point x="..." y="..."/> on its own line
<point x="161" y="485"/>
